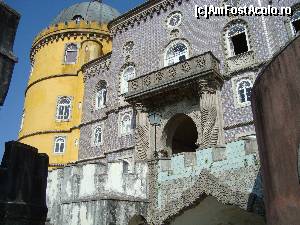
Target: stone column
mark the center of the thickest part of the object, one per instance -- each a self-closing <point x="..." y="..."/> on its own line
<point x="142" y="134"/>
<point x="211" y="133"/>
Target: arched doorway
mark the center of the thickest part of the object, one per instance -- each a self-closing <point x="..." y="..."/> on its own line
<point x="137" y="220"/>
<point x="181" y="134"/>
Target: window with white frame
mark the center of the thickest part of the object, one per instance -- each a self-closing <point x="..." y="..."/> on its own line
<point x="126" y="123"/>
<point x="22" y="120"/>
<point x="127" y="74"/>
<point x="97" y="137"/>
<point x="100" y="98"/>
<point x="59" y="144"/>
<point x="295" y="21"/>
<point x="78" y="18"/>
<point x="237" y="38"/>
<point x="244" y="91"/>
<point x="176" y="52"/>
<point x="63" y="108"/>
<point x="71" y="53"/>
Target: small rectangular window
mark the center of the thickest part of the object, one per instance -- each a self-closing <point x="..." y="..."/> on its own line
<point x="240" y="44"/>
<point x="296" y="25"/>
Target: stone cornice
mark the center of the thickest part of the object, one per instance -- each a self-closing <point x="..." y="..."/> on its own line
<point x="47" y="78"/>
<point x="96" y="66"/>
<point x="47" y="132"/>
<point x="142" y="12"/>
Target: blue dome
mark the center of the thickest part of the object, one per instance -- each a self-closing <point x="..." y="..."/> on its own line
<point x="89" y="11"/>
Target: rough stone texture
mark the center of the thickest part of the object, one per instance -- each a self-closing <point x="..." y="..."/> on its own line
<point x="234" y="180"/>
<point x="96" y="193"/>
<point x="9" y="20"/>
<point x="228" y="172"/>
<point x="23" y="180"/>
<point x="275" y="103"/>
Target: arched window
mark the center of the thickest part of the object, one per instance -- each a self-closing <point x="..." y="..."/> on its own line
<point x="295" y="21"/>
<point x="71" y="53"/>
<point x="128" y="74"/>
<point x="97" y="136"/>
<point x="100" y="98"/>
<point x="126" y="124"/>
<point x="78" y="18"/>
<point x="176" y="52"/>
<point x="60" y="144"/>
<point x="244" y="91"/>
<point x="237" y="38"/>
<point x="63" y="109"/>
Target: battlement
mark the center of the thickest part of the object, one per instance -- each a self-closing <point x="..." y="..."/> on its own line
<point x="72" y="26"/>
<point x="97" y="181"/>
<point x="235" y="155"/>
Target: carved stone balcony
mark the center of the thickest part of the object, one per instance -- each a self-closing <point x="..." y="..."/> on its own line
<point x="177" y="76"/>
<point x="240" y="62"/>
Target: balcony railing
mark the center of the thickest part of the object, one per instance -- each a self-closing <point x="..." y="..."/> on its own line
<point x="240" y="62"/>
<point x="198" y="67"/>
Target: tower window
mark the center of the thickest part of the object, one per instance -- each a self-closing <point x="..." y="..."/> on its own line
<point x="176" y="52"/>
<point x="97" y="140"/>
<point x="238" y="39"/>
<point x="295" y="21"/>
<point x="126" y="123"/>
<point x="59" y="144"/>
<point x="63" y="109"/>
<point x="22" y="120"/>
<point x="128" y="74"/>
<point x="101" y="91"/>
<point x="77" y="18"/>
<point x="244" y="91"/>
<point x="71" y="53"/>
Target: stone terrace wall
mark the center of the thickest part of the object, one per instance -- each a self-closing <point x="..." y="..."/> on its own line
<point x="96" y="194"/>
<point x="230" y="174"/>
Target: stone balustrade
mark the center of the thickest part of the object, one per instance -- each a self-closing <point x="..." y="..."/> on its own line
<point x="205" y="66"/>
<point x="240" y="62"/>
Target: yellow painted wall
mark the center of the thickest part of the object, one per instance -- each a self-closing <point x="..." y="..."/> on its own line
<point x="51" y="78"/>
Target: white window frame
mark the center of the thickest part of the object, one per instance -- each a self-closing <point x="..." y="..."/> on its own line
<point x="101" y="92"/>
<point x="66" y="50"/>
<point x="235" y="85"/>
<point x="122" y="132"/>
<point x="58" y="106"/>
<point x="94" y="144"/>
<point x="124" y="83"/>
<point x="22" y="120"/>
<point x="171" y="45"/>
<point x="64" y="138"/>
<point x="230" y="48"/>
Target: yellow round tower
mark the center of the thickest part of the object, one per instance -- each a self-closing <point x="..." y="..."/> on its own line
<point x="53" y="98"/>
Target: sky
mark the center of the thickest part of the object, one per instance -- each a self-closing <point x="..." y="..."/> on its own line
<point x="36" y="15"/>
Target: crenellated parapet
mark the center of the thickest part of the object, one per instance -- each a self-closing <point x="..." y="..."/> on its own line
<point x="229" y="174"/>
<point x="81" y="30"/>
<point x="95" y="182"/>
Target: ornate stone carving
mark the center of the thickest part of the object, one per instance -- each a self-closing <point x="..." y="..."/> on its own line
<point x="141" y="14"/>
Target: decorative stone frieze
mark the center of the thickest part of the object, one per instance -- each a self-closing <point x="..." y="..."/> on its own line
<point x="142" y="13"/>
<point x="204" y="66"/>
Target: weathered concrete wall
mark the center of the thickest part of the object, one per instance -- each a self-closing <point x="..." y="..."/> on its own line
<point x="97" y="194"/>
<point x="276" y="106"/>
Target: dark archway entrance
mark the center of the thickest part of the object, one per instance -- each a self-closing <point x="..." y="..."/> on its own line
<point x="181" y="133"/>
